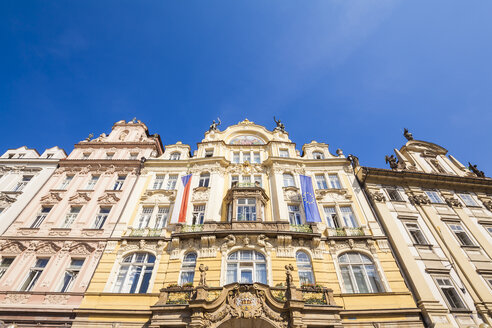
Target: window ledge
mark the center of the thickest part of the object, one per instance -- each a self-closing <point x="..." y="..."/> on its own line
<point x="12" y="192"/>
<point x="112" y="190"/>
<point x="470" y="247"/>
<point x="61" y="229"/>
<point x="429" y="246"/>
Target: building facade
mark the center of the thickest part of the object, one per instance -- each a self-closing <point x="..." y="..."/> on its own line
<point x="50" y="251"/>
<point x="247" y="232"/>
<point x="437" y="214"/>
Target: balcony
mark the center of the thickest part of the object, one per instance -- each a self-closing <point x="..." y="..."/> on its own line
<point x="145" y="232"/>
<point x="301" y="228"/>
<point x="347" y="232"/>
<point x="247" y="226"/>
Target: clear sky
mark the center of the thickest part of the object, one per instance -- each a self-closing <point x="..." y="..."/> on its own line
<point x="349" y="73"/>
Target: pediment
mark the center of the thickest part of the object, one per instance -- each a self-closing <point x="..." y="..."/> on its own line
<point x="158" y="196"/>
<point x="80" y="198"/>
<point x="108" y="198"/>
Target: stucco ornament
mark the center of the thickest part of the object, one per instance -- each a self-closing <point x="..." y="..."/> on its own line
<point x="6" y="199"/>
<point x="108" y="198"/>
<point x="80" y="198"/>
<point x="377" y="196"/>
<point x="419" y="199"/>
<point x="229" y="242"/>
<point x="453" y="202"/>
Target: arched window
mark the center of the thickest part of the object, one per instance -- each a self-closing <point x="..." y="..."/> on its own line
<point x="246" y="267"/>
<point x="289" y="180"/>
<point x="188" y="269"/>
<point x="318" y="155"/>
<point x="359" y="274"/>
<point x="175" y="156"/>
<point x="135" y="272"/>
<point x="304" y="268"/>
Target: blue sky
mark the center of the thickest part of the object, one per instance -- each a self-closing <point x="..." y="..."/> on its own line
<point x="349" y="73"/>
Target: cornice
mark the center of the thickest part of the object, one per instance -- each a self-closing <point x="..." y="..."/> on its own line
<point x="427" y="180"/>
<point x="102" y="162"/>
<point x="94" y="144"/>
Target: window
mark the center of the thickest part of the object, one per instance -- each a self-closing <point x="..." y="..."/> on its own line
<point x="86" y="155"/>
<point x="359" y="274"/>
<point x="234" y="179"/>
<point x="334" y="181"/>
<point x="434" y="197"/>
<point x="161" y="219"/>
<point x="101" y="217"/>
<point x="11" y="155"/>
<point x="71" y="216"/>
<point x="246" y="209"/>
<point x="41" y="216"/>
<point x="488" y="279"/>
<point x="247" y="157"/>
<point x="188" y="269"/>
<point x="331" y="217"/>
<point x="171" y="182"/>
<point x="145" y="216"/>
<point x="159" y="180"/>
<point x="294" y="215"/>
<point x="246" y="267"/>
<point x="393" y="194"/>
<point x="348" y="217"/>
<point x="21" y="155"/>
<point x="318" y="155"/>
<point x="133" y="155"/>
<point x="235" y="157"/>
<point x="34" y="274"/>
<point x="109" y="155"/>
<point x="71" y="274"/>
<point x="416" y="234"/>
<point x="283" y="153"/>
<point x="204" y="180"/>
<point x="5" y="264"/>
<point x="246" y="179"/>
<point x="450" y="293"/>
<point x="304" y="268"/>
<point x="256" y="158"/>
<point x="175" y="156"/>
<point x="289" y="180"/>
<point x="258" y="180"/>
<point x="209" y="152"/>
<point x="66" y="182"/>
<point x="461" y="235"/>
<point x="92" y="182"/>
<point x="21" y="184"/>
<point x="1" y="210"/>
<point x="198" y="214"/>
<point x="489" y="229"/>
<point x="468" y="199"/>
<point x="119" y="182"/>
<point x="135" y="272"/>
<point x="49" y="155"/>
<point x="321" y="181"/>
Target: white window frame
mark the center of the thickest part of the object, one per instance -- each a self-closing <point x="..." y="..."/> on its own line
<point x="283" y="152"/>
<point x="5" y="264"/>
<point x="158" y="181"/>
<point x="34" y="273"/>
<point x="321" y="182"/>
<point x="243" y="264"/>
<point x="162" y="217"/>
<point x="41" y="216"/>
<point x="418" y="230"/>
<point x="249" y="209"/>
<point x="354" y="222"/>
<point x="175" y="156"/>
<point x="468" y="200"/>
<point x="22" y="183"/>
<point x="334" y="217"/>
<point x="92" y="182"/>
<point x="295" y="217"/>
<point x="305" y="268"/>
<point x="71" y="216"/>
<point x="101" y="217"/>
<point x="353" y="280"/>
<point x="188" y="266"/>
<point x="457" y="228"/>
<point x="318" y="155"/>
<point x="172" y="179"/>
<point x="256" y="157"/>
<point x="288" y="180"/>
<point x="66" y="182"/>
<point x="198" y="214"/>
<point x="145" y="216"/>
<point x="398" y="197"/>
<point x="128" y="269"/>
<point x="335" y="182"/>
<point x="450" y="285"/>
<point x="70" y="276"/>
<point x="434" y="197"/>
<point x="204" y="180"/>
<point x="120" y="180"/>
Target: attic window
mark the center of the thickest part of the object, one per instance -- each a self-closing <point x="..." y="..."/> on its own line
<point x="209" y="152"/>
<point x="175" y="156"/>
<point x="21" y="155"/>
<point x="49" y="155"/>
<point x="318" y="155"/>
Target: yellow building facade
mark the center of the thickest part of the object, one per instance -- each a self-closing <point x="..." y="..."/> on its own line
<point x="247" y="231"/>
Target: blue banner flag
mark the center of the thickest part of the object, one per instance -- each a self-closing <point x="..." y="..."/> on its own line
<point x="309" y="200"/>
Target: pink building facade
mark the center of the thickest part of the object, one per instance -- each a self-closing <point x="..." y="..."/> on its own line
<point x="50" y="251"/>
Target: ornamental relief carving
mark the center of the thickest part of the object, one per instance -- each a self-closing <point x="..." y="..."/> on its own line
<point x="142" y="245"/>
<point x="6" y="200"/>
<point x="56" y="299"/>
<point x="16" y="298"/>
<point x="80" y="198"/>
<point x="291" y="194"/>
<point x="487" y="203"/>
<point x="12" y="247"/>
<point x="377" y="196"/>
<point x="453" y="202"/>
<point x="418" y="199"/>
<point x="332" y="195"/>
<point x="108" y="198"/>
<point x="200" y="194"/>
<point x="245" y="168"/>
<point x="52" y="198"/>
<point x="158" y="196"/>
<point x="336" y="246"/>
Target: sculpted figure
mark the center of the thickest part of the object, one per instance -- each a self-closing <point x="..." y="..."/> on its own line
<point x="407" y="134"/>
<point x="475" y="170"/>
<point x="214" y="125"/>
<point x="203" y="275"/>
<point x="288" y="274"/>
<point x="280" y="126"/>
<point x="89" y="137"/>
<point x="392" y="161"/>
<point x="230" y="240"/>
<point x="262" y="241"/>
<point x="354" y="160"/>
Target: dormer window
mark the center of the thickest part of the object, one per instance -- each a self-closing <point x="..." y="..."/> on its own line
<point x="109" y="155"/>
<point x="86" y="155"/>
<point x="49" y="155"/>
<point x="318" y="155"/>
<point x="209" y="152"/>
<point x="283" y="153"/>
<point x="21" y="155"/>
<point x="175" y="156"/>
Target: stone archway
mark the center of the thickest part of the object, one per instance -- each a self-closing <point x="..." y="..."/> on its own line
<point x="246" y="323"/>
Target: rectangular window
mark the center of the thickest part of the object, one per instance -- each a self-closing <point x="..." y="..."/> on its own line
<point x="118" y="184"/>
<point x="288" y="180"/>
<point x="246" y="209"/>
<point x="41" y="216"/>
<point x="5" y="264"/>
<point x="171" y="181"/>
<point x="49" y="155"/>
<point x="246" y="178"/>
<point x="394" y="194"/>
<point x="1" y="210"/>
<point x="331" y="217"/>
<point x="161" y="218"/>
<point x="321" y="181"/>
<point x="21" y="155"/>
<point x="234" y="179"/>
<point x="258" y="180"/>
<point x="71" y="216"/>
<point x="34" y="274"/>
<point x="247" y="157"/>
<point x="209" y="152"/>
<point x="488" y="279"/>
<point x="416" y="234"/>
<point x="159" y="180"/>
<point x="488" y="228"/>
<point x="461" y="235"/>
<point x="235" y="157"/>
<point x="468" y="199"/>
<point x="198" y="214"/>
<point x="434" y="197"/>
<point x="109" y="155"/>
<point x="66" y="182"/>
<point x="71" y="274"/>
<point x="450" y="293"/>
<point x="294" y="215"/>
<point x="348" y="217"/>
<point x="256" y="158"/>
<point x="204" y="180"/>
<point x="145" y="216"/>
<point x="101" y="217"/>
<point x="21" y="184"/>
<point x="283" y="153"/>
<point x="92" y="182"/>
<point x="334" y="181"/>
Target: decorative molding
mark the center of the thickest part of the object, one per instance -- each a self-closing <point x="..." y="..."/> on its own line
<point x="108" y="198"/>
<point x="419" y="199"/>
<point x="80" y="198"/>
<point x="377" y="196"/>
<point x="200" y="194"/>
<point x="52" y="198"/>
<point x="6" y="200"/>
<point x="56" y="299"/>
<point x="154" y="196"/>
<point x="16" y="298"/>
<point x="453" y="202"/>
<point x="291" y="194"/>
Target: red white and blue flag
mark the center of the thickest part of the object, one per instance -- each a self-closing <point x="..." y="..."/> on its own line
<point x="184" y="201"/>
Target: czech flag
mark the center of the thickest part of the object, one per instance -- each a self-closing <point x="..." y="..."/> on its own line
<point x="184" y="201"/>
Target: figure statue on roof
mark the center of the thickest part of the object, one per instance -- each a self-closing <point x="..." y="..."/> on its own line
<point x="91" y="135"/>
<point x="214" y="125"/>
<point x="134" y="120"/>
<point x="280" y="126"/>
<point x="407" y="134"/>
<point x="354" y="160"/>
<point x="392" y="161"/>
<point x="475" y="170"/>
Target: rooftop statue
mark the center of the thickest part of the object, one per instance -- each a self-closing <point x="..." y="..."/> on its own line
<point x="354" y="160"/>
<point x="407" y="134"/>
<point x="280" y="126"/>
<point x="91" y="135"/>
<point x="475" y="170"/>
<point x="214" y="125"/>
<point x="392" y="161"/>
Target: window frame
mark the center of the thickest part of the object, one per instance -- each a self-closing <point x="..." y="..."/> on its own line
<point x="444" y="295"/>
<point x="246" y="265"/>
<point x="127" y="283"/>
<point x="321" y="182"/>
<point x="175" y="156"/>
<point x="204" y="180"/>
<point x="470" y="202"/>
<point x="335" y="183"/>
<point x="120" y="180"/>
<point x="198" y="213"/>
<point x="356" y="288"/>
<point x="101" y="217"/>
<point x="4" y="267"/>
<point x="305" y="267"/>
<point x="41" y="216"/>
<point x="30" y="282"/>
<point x="295" y="217"/>
<point x="318" y="155"/>
<point x="290" y="181"/>
<point x="188" y="266"/>
<point x="394" y="189"/>
<point x="435" y="198"/>
<point x="72" y="272"/>
<point x="463" y="231"/>
<point x="419" y="230"/>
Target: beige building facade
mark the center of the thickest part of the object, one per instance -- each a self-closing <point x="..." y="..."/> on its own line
<point x="437" y="215"/>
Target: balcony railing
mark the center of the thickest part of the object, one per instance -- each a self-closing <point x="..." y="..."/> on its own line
<point x="192" y="228"/>
<point x="301" y="228"/>
<point x="342" y="232"/>
<point x="144" y="232"/>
